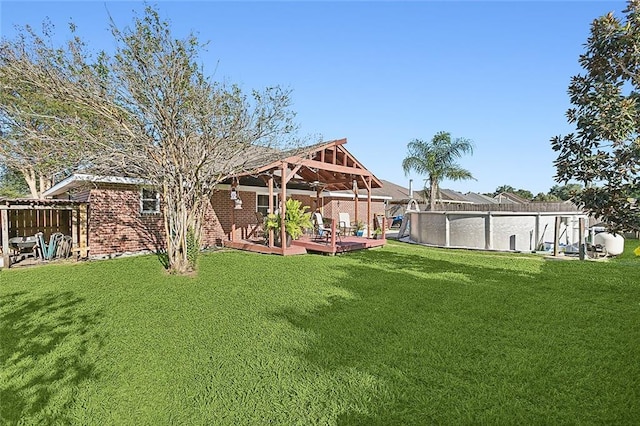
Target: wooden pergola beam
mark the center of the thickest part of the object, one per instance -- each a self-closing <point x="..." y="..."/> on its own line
<point x="283" y="208"/>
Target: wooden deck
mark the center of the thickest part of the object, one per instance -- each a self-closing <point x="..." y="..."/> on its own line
<point x="305" y="245"/>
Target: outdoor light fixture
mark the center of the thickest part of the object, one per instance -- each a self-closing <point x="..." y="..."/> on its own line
<point x="236" y="199"/>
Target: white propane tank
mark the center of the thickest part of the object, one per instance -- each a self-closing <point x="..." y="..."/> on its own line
<point x="613" y="243"/>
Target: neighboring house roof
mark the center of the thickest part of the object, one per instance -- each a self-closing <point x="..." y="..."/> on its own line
<point x="451" y="196"/>
<point x="476" y="198"/>
<point x="77" y="180"/>
<point x="399" y="193"/>
<point x="510" y="197"/>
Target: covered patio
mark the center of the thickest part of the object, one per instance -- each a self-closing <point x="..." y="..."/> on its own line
<point x="325" y="166"/>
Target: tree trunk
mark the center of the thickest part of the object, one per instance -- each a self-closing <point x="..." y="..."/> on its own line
<point x="433" y="193"/>
<point x="183" y="229"/>
<point x="44" y="185"/>
<point x="30" y="177"/>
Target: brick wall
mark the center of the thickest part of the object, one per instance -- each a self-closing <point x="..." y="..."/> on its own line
<point x="116" y="224"/>
<point x="333" y="206"/>
<point x="245" y="219"/>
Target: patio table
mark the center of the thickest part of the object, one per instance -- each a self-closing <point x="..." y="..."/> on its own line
<point x="23" y="245"/>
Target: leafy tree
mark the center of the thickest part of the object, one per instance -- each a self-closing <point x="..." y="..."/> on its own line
<point x="39" y="134"/>
<point x="12" y="184"/>
<point x="524" y="193"/>
<point x="150" y="112"/>
<point x="604" y="153"/>
<point x="436" y="159"/>
<point x="542" y="197"/>
<point x="565" y="192"/>
<point x="503" y="188"/>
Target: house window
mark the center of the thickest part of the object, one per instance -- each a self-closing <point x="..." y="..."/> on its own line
<point x="149" y="201"/>
<point x="263" y="203"/>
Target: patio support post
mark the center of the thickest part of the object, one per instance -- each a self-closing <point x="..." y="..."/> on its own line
<point x="271" y="209"/>
<point x="333" y="236"/>
<point x="318" y="192"/>
<point x="283" y="209"/>
<point x="355" y="191"/>
<point x="84" y="231"/>
<point x="4" y="218"/>
<point x="234" y="184"/>
<point x="368" y="182"/>
<point x="384" y="225"/>
<point x="75" y="213"/>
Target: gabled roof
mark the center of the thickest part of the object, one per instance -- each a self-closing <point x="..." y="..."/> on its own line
<point x="451" y="196"/>
<point x="328" y="164"/>
<point x="476" y="198"/>
<point x="510" y="197"/>
<point x="400" y="193"/>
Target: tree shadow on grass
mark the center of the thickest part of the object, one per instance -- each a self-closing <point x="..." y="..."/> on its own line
<point x="464" y="339"/>
<point x="46" y="346"/>
<point x="407" y="325"/>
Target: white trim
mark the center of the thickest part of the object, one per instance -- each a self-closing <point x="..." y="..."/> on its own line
<point x="76" y="180"/>
<point x="262" y="190"/>
<point x="334" y="194"/>
<point x="275" y="195"/>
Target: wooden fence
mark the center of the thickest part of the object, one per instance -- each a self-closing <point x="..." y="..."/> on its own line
<point x="26" y="217"/>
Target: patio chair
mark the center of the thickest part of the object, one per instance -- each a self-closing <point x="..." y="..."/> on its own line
<point x="344" y="222"/>
<point x="379" y="222"/>
<point x="320" y="230"/>
<point x="259" y="229"/>
<point x="63" y="247"/>
<point x="41" y="247"/>
<point x="48" y="251"/>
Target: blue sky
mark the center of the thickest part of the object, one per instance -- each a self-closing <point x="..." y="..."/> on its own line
<point x="384" y="73"/>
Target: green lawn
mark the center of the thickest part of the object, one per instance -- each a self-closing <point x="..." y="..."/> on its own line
<point x="400" y="335"/>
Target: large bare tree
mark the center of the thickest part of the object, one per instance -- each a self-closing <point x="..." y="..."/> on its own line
<point x="40" y="134"/>
<point x="157" y="116"/>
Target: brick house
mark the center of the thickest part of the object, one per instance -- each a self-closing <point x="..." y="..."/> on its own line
<point x="124" y="214"/>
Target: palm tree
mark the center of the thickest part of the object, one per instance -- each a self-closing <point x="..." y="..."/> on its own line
<point x="437" y="160"/>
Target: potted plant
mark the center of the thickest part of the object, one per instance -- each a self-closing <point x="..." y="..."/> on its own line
<point x="296" y="220"/>
<point x="377" y="233"/>
<point x="360" y="227"/>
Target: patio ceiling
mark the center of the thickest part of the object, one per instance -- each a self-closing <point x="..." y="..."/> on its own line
<point x="327" y="165"/>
